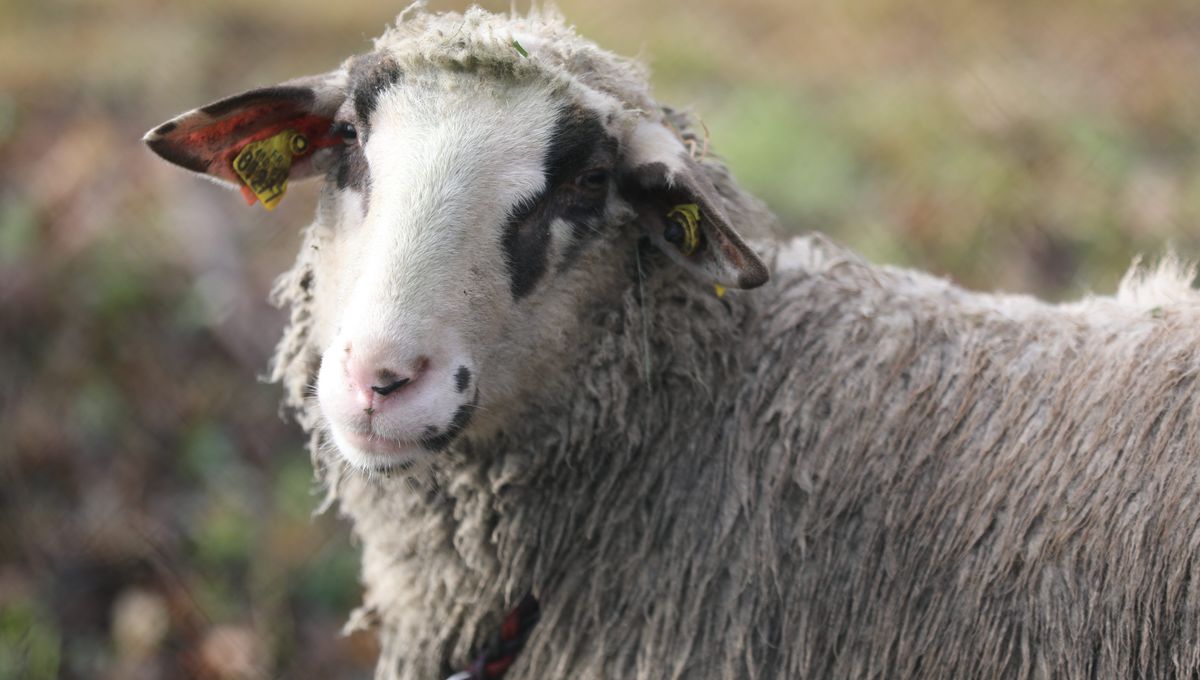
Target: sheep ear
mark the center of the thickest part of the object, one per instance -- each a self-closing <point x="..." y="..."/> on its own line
<point x="681" y="210"/>
<point x="257" y="140"/>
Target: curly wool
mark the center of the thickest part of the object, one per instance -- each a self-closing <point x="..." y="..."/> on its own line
<point x="854" y="472"/>
<point x="500" y="45"/>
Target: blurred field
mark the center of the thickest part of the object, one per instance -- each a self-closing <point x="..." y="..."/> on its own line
<point x="155" y="511"/>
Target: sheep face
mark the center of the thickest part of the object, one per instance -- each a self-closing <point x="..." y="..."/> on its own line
<point x="472" y="218"/>
<point x="469" y="216"/>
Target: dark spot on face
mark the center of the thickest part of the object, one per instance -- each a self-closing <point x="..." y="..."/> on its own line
<point x="351" y="171"/>
<point x="526" y="245"/>
<point x="462" y="417"/>
<point x="165" y="128"/>
<point x="462" y="378"/>
<point x="579" y="142"/>
<point x="577" y="133"/>
<point x="292" y="96"/>
<point x="370" y="76"/>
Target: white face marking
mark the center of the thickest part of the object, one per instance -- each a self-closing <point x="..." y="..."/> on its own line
<point x="422" y="294"/>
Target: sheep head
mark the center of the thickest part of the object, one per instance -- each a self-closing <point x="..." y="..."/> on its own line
<point x="486" y="179"/>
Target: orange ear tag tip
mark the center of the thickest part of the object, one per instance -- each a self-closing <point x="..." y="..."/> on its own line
<point x="248" y="195"/>
<point x="264" y="166"/>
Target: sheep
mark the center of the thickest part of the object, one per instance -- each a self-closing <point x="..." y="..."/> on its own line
<point x="519" y="378"/>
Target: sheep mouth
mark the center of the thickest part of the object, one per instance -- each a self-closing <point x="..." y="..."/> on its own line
<point x="375" y="446"/>
<point x="369" y="450"/>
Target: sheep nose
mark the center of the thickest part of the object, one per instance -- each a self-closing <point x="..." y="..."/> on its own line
<point x="384" y="390"/>
<point x="372" y="378"/>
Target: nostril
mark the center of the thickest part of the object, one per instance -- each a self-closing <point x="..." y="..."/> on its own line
<point x="385" y="390"/>
<point x="393" y="376"/>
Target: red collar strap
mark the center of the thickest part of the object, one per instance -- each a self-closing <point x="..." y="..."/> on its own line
<point x="496" y="658"/>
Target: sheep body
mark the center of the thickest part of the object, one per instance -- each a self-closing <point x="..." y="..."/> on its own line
<point x="860" y="472"/>
<point x="856" y="472"/>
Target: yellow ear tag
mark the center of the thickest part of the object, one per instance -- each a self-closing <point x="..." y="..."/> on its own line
<point x="687" y="216"/>
<point x="720" y="290"/>
<point x="264" y="165"/>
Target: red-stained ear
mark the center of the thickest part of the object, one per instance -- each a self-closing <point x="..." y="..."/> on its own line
<point x="257" y="140"/>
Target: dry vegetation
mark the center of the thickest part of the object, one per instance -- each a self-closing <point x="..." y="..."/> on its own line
<point x="155" y="511"/>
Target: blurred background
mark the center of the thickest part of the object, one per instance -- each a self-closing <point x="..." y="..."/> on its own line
<point x="156" y="512"/>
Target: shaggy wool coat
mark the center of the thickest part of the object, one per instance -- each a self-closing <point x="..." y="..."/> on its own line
<point x="853" y="472"/>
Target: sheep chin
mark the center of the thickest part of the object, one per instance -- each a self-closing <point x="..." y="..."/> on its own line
<point x="372" y="453"/>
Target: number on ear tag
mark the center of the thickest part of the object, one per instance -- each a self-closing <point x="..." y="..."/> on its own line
<point x="264" y="165"/>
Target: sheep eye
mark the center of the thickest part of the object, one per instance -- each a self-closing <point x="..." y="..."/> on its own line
<point x="345" y="132"/>
<point x="593" y="180"/>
